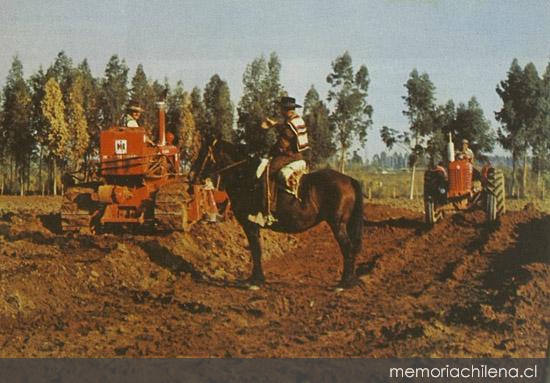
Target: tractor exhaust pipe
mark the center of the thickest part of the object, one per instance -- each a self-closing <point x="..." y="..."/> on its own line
<point x="162" y="123"/>
<point x="450" y="149"/>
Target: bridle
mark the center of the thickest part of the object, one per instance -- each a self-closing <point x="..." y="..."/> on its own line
<point x="209" y="157"/>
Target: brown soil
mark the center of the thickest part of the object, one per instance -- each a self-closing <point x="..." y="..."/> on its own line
<point x="461" y="289"/>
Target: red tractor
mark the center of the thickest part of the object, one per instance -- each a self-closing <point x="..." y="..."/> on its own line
<point x="461" y="187"/>
<point x="138" y="183"/>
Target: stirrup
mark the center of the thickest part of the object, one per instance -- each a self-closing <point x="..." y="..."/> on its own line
<point x="270" y="220"/>
<point x="262" y="220"/>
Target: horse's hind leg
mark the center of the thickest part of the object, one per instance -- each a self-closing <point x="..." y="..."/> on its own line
<point x="348" y="275"/>
<point x="253" y="235"/>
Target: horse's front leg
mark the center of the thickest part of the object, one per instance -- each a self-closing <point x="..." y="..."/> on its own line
<point x="252" y="232"/>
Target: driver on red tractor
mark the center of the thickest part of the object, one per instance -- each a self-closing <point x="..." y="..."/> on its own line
<point x="466" y="152"/>
<point x="292" y="142"/>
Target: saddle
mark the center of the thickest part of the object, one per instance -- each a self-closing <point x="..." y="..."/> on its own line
<point x="286" y="179"/>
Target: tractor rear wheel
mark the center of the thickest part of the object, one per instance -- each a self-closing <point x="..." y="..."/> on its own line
<point x="495" y="195"/>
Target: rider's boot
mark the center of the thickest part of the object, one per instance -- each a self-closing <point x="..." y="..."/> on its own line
<point x="258" y="219"/>
<point x="261" y="218"/>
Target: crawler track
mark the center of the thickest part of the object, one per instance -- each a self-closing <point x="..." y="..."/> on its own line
<point x="171" y="207"/>
<point x="77" y="210"/>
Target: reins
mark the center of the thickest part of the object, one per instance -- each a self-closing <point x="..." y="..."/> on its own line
<point x="210" y="156"/>
<point x="233" y="165"/>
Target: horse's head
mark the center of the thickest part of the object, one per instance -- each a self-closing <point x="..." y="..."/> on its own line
<point x="216" y="155"/>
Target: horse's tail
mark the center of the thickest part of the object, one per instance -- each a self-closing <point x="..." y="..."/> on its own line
<point x="355" y="224"/>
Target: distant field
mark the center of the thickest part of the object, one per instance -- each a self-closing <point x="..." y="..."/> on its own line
<point x="393" y="188"/>
<point x="418" y="205"/>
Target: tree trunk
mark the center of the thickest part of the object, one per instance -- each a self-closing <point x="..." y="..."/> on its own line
<point x="49" y="184"/>
<point x="40" y="170"/>
<point x="524" y="177"/>
<point x="10" y="184"/>
<point x="21" y="182"/>
<point x="28" y="178"/>
<point x="54" y="176"/>
<point x="342" y="159"/>
<point x="539" y="178"/>
<point x="411" y="195"/>
<point x="513" y="191"/>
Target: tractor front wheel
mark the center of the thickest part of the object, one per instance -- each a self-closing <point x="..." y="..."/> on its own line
<point x="433" y="182"/>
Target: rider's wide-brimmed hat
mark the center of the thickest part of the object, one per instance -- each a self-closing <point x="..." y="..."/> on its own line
<point x="288" y="103"/>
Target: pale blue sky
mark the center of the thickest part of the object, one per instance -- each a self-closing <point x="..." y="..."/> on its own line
<point x="466" y="47"/>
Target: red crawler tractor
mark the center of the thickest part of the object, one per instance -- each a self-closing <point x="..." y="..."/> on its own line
<point x="461" y="187"/>
<point x="138" y="183"/>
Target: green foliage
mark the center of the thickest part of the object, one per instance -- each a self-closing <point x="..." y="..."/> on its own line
<point x="147" y="93"/>
<point x="443" y="118"/>
<point x="524" y="116"/>
<point x="262" y="89"/>
<point x="173" y="114"/>
<point x="37" y="83"/>
<point x="77" y="124"/>
<point x="53" y="108"/>
<point x="218" y="109"/>
<point x="351" y="114"/>
<point x="140" y="92"/>
<point x="420" y="105"/>
<point x="384" y="161"/>
<point x="114" y="92"/>
<point x="17" y="134"/>
<point x="90" y="90"/>
<point x="541" y="133"/>
<point x="198" y="109"/>
<point x="512" y="134"/>
<point x="62" y="71"/>
<point x="471" y="124"/>
<point x="189" y="138"/>
<point x="316" y="117"/>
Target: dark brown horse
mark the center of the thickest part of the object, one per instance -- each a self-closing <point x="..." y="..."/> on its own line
<point x="325" y="195"/>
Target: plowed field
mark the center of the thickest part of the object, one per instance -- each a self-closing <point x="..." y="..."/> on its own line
<point x="461" y="289"/>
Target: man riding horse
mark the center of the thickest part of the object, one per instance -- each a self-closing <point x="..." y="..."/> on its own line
<point x="291" y="145"/>
<point x="324" y="195"/>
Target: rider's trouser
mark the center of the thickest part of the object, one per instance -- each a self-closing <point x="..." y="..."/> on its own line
<point x="268" y="178"/>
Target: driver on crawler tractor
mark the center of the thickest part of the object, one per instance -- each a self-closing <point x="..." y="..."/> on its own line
<point x="292" y="142"/>
<point x="132" y="116"/>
